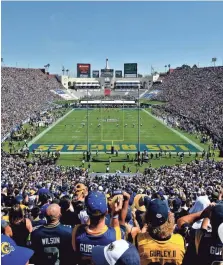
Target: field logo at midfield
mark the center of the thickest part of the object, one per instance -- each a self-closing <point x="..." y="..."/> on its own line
<point x="69" y="148"/>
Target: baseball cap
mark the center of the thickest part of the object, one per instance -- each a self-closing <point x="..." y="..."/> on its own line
<point x="217" y="215"/>
<point x="100" y="188"/>
<point x="177" y="203"/>
<point x="11" y="254"/>
<point x="119" y="252"/>
<point x="157" y="212"/>
<point x="96" y="203"/>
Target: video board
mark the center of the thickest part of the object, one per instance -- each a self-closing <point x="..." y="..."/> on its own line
<point x="107" y="72"/>
<point x="95" y="73"/>
<point x="130" y="70"/>
<point x="83" y="70"/>
<point x="118" y="73"/>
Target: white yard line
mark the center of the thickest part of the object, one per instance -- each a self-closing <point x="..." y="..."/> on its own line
<point x="175" y="131"/>
<point x="48" y="129"/>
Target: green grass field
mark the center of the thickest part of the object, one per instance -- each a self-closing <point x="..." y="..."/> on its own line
<point x="106" y="127"/>
<point x="69" y="136"/>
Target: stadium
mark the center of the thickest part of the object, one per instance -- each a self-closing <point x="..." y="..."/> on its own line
<point x="109" y="165"/>
<point x="97" y="129"/>
<point x="109" y="118"/>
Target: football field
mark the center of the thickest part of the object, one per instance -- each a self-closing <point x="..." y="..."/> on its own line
<point x="107" y="127"/>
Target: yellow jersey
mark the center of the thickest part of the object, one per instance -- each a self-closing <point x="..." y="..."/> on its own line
<point x="168" y="252"/>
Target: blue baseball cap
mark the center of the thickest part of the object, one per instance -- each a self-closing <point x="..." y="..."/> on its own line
<point x="177" y="203"/>
<point x="157" y="212"/>
<point x="11" y="254"/>
<point x="96" y="203"/>
<point x="119" y="252"/>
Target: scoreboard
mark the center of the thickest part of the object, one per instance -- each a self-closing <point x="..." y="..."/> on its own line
<point x="130" y="70"/>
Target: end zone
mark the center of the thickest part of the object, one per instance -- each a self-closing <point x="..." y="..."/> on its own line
<point x="122" y="148"/>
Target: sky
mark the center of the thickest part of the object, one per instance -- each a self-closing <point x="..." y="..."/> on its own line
<point x="148" y="33"/>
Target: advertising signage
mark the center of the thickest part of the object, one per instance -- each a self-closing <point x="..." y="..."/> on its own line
<point x="107" y="72"/>
<point x="95" y="73"/>
<point x="83" y="70"/>
<point x="118" y="73"/>
<point x="130" y="70"/>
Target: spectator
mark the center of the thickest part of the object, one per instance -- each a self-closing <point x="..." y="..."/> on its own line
<point x="159" y="244"/>
<point x="21" y="226"/>
<point x="52" y="243"/>
<point x="5" y="228"/>
<point x="68" y="217"/>
<point x="36" y="219"/>
<point x="201" y="203"/>
<point x="84" y="238"/>
<point x="207" y="247"/>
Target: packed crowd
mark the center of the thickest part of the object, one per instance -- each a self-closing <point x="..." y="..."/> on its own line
<point x="24" y="92"/>
<point x="55" y="215"/>
<point x="111" y="97"/>
<point x="185" y="124"/>
<point x="65" y="215"/>
<point x="27" y="131"/>
<point x="196" y="93"/>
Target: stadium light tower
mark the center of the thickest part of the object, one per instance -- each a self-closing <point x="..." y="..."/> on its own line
<point x="106" y="64"/>
<point x="214" y="60"/>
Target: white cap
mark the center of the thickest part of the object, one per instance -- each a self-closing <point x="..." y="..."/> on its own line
<point x="100" y="188"/>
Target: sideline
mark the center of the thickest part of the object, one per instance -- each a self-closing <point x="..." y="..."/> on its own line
<point x="175" y="131"/>
<point x="48" y="129"/>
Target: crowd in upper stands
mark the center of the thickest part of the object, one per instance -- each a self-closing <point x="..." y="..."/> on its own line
<point x="196" y="93"/>
<point x="25" y="92"/>
<point x="111" y="97"/>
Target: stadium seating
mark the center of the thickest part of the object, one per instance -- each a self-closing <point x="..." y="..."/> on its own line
<point x="196" y="93"/>
<point x="24" y="92"/>
<point x="33" y="188"/>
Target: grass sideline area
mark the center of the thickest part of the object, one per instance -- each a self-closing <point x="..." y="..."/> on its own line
<point x="76" y="160"/>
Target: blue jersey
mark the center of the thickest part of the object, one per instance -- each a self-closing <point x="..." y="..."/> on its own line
<point x="84" y="240"/>
<point x="52" y="245"/>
